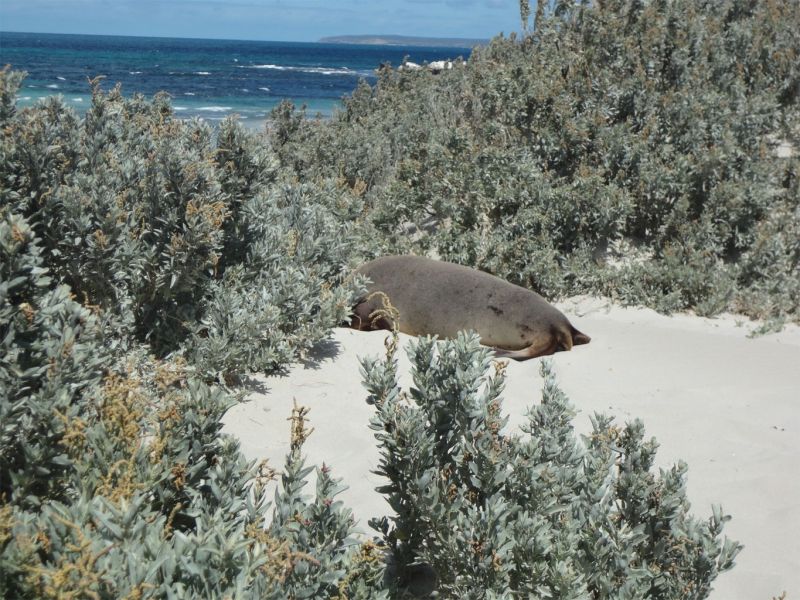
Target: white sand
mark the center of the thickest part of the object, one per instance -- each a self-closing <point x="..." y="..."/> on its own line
<point x="726" y="404"/>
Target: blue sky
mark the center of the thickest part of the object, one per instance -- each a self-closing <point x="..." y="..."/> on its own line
<point x="278" y="20"/>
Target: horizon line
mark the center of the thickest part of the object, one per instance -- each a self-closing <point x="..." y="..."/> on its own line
<point x="227" y="39"/>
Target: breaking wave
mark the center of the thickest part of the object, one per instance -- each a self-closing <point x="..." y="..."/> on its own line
<point x="317" y="70"/>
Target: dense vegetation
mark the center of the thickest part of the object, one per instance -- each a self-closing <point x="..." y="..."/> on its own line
<point x="626" y="149"/>
<point x="623" y="148"/>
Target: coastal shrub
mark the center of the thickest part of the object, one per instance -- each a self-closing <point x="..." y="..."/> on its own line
<point x="150" y="500"/>
<point x="50" y="355"/>
<point x="161" y="505"/>
<point x="481" y="512"/>
<point x="283" y="297"/>
<point x="186" y="237"/>
<point x="612" y="139"/>
<point x="115" y="480"/>
<point x="625" y="148"/>
<point x="130" y="233"/>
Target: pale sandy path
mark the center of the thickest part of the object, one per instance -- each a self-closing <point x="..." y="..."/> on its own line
<point x="726" y="404"/>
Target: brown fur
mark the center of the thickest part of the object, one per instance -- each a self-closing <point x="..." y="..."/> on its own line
<point x="421" y="296"/>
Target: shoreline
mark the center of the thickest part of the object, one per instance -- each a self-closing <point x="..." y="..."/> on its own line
<point x="213" y="112"/>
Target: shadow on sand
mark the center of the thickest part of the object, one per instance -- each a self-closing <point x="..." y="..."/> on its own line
<point x="251" y="384"/>
<point x="325" y="350"/>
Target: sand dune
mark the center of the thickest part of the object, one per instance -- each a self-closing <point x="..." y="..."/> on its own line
<point x="727" y="404"/>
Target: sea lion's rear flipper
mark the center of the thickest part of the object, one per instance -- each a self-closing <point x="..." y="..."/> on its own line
<point x="560" y="339"/>
<point x="543" y="349"/>
<point x="579" y="338"/>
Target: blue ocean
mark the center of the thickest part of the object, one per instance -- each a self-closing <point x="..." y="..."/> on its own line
<point x="206" y="78"/>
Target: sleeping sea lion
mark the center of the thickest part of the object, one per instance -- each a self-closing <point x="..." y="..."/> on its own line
<point x="423" y="296"/>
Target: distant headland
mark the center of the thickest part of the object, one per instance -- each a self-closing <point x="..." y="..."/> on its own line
<point x="404" y="40"/>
